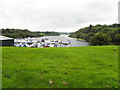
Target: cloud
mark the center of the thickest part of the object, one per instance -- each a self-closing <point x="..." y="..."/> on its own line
<point x="58" y="15"/>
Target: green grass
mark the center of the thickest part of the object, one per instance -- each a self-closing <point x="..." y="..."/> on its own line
<point x="74" y="67"/>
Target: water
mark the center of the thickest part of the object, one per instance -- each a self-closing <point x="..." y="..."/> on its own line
<point x="74" y="42"/>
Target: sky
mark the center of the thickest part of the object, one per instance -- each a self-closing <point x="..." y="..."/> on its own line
<point x="57" y="15"/>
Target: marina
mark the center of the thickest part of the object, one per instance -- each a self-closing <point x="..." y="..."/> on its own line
<point x="49" y="41"/>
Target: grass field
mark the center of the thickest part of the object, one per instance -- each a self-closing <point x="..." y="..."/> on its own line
<point x="74" y="67"/>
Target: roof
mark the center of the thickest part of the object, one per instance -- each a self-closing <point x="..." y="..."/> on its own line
<point x="5" y="38"/>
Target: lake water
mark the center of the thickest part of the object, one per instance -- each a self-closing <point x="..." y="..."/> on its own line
<point x="74" y="42"/>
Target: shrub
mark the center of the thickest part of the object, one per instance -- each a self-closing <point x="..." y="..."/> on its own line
<point x="116" y="39"/>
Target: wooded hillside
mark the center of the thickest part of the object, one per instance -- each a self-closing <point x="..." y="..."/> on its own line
<point x="99" y="34"/>
<point x="24" y="33"/>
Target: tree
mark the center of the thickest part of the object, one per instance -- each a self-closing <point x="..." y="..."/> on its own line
<point x="90" y="27"/>
<point x="100" y="39"/>
<point x="116" y="39"/>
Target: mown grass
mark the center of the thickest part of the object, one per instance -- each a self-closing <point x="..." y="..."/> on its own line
<point x="74" y="67"/>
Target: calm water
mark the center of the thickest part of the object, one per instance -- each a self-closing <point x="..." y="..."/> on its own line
<point x="74" y="42"/>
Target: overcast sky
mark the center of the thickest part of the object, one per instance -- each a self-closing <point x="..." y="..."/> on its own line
<point x="57" y="15"/>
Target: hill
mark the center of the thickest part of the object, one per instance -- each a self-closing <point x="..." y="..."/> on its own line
<point x="99" y="34"/>
<point x="24" y="33"/>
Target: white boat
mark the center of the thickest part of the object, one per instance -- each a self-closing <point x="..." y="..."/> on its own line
<point x="52" y="42"/>
<point x="66" y="43"/>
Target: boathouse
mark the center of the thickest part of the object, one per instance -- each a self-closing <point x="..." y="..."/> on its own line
<point x="6" y="41"/>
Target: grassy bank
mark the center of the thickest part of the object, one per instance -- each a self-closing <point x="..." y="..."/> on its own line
<point x="74" y="67"/>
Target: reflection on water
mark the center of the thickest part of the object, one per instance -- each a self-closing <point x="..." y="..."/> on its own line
<point x="74" y="42"/>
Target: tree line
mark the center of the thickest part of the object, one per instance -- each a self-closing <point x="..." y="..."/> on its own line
<point x="24" y="33"/>
<point x="99" y="34"/>
<point x="49" y="33"/>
